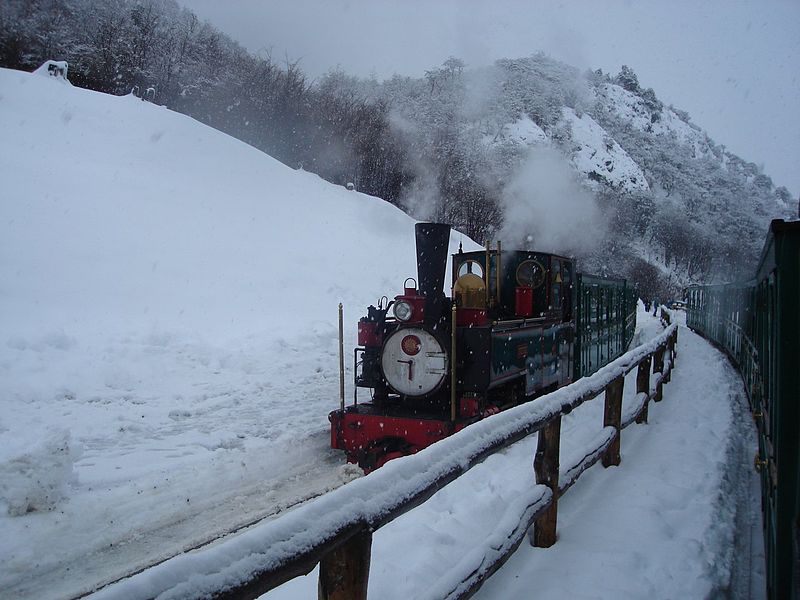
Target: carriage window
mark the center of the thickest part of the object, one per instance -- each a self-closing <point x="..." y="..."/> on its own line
<point x="471" y="266"/>
<point x="530" y="273"/>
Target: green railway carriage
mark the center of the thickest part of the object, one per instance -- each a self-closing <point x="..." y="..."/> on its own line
<point x="758" y="324"/>
<point x="605" y="321"/>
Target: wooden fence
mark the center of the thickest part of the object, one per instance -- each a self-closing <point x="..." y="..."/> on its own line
<point x="252" y="563"/>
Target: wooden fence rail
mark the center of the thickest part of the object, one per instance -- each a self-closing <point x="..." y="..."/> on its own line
<point x="335" y="531"/>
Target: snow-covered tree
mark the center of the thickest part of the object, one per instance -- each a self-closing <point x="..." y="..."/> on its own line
<point x="445" y="145"/>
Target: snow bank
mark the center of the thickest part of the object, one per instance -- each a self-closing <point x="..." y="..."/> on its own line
<point x="57" y="69"/>
<point x="168" y="295"/>
<point x="368" y="501"/>
<point x="35" y="478"/>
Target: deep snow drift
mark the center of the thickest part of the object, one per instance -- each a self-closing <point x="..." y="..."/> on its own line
<point x="168" y="330"/>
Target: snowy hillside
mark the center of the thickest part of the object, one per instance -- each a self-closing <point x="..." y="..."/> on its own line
<point x="522" y="132"/>
<point x="592" y="152"/>
<point x="599" y="158"/>
<point x="633" y="109"/>
<point x="673" y="207"/>
<point x="168" y="330"/>
<point x="450" y="143"/>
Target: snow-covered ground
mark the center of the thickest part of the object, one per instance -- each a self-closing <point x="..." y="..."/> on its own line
<point x="168" y="357"/>
<point x="632" y="108"/>
<point x="522" y="132"/>
<point x="594" y="151"/>
<point x="678" y="518"/>
<point x="168" y="331"/>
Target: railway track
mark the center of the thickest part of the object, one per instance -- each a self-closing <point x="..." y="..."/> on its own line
<point x="79" y="573"/>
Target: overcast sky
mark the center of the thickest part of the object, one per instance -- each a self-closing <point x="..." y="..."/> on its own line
<point x="732" y="65"/>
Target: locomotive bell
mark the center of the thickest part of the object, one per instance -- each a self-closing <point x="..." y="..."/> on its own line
<point x="433" y="241"/>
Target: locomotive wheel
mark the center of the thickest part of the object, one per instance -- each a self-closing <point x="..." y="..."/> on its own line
<point x="382" y="451"/>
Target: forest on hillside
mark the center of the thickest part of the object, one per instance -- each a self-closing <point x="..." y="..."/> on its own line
<point x="483" y="149"/>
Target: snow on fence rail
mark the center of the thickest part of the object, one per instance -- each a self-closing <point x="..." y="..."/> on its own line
<point x="335" y="530"/>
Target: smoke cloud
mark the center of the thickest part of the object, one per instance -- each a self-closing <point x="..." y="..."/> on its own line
<point x="546" y="209"/>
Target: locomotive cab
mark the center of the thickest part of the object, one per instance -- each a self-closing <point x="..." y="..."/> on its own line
<point x="504" y="285"/>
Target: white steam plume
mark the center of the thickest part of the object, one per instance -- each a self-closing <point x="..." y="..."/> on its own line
<point x="546" y="209"/>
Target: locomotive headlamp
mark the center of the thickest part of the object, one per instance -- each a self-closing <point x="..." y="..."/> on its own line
<point x="403" y="310"/>
<point x="411" y="345"/>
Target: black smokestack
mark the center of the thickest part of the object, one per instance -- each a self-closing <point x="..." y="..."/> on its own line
<point x="433" y="241"/>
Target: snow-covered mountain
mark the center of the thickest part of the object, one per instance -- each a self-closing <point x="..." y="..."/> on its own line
<point x="592" y="151"/>
<point x="597" y="156"/>
<point x="673" y="206"/>
<point x="632" y="108"/>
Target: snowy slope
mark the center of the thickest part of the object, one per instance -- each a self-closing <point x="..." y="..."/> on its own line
<point x="632" y="109"/>
<point x="168" y="334"/>
<point x="597" y="156"/>
<point x="522" y="132"/>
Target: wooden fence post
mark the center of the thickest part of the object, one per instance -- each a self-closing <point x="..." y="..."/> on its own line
<point x="671" y="354"/>
<point x="674" y="346"/>
<point x="643" y="385"/>
<point x="612" y="416"/>
<point x="658" y="367"/>
<point x="344" y="572"/>
<point x="546" y="467"/>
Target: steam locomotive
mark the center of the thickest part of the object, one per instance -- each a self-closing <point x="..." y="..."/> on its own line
<point x="518" y="324"/>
